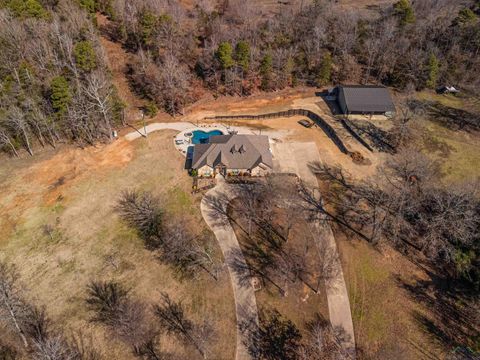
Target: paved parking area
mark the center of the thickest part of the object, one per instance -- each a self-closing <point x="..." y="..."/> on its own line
<point x="294" y="157"/>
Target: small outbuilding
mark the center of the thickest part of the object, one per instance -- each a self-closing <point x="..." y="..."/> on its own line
<point x="447" y="90"/>
<point x="365" y="99"/>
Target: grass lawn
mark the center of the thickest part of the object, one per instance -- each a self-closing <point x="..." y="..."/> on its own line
<point x="454" y="101"/>
<point x="457" y="152"/>
<point x="384" y="315"/>
<point x="73" y="192"/>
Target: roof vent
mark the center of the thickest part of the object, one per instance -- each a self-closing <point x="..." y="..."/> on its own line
<point x="242" y="149"/>
<point x="233" y="149"/>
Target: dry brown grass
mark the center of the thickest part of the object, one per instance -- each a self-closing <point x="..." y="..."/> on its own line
<point x="74" y="191"/>
<point x="383" y="312"/>
<point x="300" y="304"/>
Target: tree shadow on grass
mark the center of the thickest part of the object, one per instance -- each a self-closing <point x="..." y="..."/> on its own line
<point x="451" y="313"/>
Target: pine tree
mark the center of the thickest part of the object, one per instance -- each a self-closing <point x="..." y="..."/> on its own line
<point x="26" y="8"/>
<point x="266" y="67"/>
<point x="325" y="71"/>
<point x="89" y="5"/>
<point x="433" y="69"/>
<point x="404" y="10"/>
<point x="85" y="55"/>
<point x="288" y="72"/>
<point x="60" y="94"/>
<point x="224" y="55"/>
<point x="242" y="55"/>
<point x="148" y="23"/>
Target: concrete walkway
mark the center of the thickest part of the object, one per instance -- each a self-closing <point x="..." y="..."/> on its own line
<point x="213" y="208"/>
<point x="179" y="126"/>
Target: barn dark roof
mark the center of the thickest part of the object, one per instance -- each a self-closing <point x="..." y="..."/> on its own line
<point x="366" y="98"/>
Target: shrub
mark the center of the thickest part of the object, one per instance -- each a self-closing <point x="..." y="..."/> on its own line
<point x="151" y="109"/>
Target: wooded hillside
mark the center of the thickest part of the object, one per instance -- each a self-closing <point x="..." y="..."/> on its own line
<point x="54" y="84"/>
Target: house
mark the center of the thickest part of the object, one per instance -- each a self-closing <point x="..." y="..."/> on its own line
<point x="233" y="155"/>
<point x="365" y="99"/>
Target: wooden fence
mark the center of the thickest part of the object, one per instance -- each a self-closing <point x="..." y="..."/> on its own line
<point x="289" y="113"/>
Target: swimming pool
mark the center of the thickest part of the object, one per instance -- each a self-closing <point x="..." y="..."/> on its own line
<point x="201" y="137"/>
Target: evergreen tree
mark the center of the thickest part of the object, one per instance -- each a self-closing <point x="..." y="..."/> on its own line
<point x="242" y="55"/>
<point x="85" y="55"/>
<point x="433" y="69"/>
<point x="404" y="10"/>
<point x="266" y="67"/>
<point x="224" y="55"/>
<point x="26" y="8"/>
<point x="60" y="94"/>
<point x="288" y="72"/>
<point x="89" y="5"/>
<point x="148" y="23"/>
<point x="325" y="71"/>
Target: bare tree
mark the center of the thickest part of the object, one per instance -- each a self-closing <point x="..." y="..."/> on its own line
<point x="148" y="350"/>
<point x="106" y="299"/>
<point x="186" y="251"/>
<point x="275" y="338"/>
<point x="99" y="92"/>
<point x="172" y="318"/>
<point x="112" y="306"/>
<point x="322" y="342"/>
<point x="6" y="140"/>
<point x="12" y="307"/>
<point x="142" y="211"/>
<point x="17" y="120"/>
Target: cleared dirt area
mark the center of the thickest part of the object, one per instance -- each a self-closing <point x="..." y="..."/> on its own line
<point x="73" y="192"/>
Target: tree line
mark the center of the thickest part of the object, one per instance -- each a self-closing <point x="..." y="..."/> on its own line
<point x="228" y="47"/>
<point x="54" y="83"/>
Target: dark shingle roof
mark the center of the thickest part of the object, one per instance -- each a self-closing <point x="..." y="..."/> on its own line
<point x="233" y="151"/>
<point x="366" y="98"/>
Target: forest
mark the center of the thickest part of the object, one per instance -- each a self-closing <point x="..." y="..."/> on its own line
<point x="56" y="87"/>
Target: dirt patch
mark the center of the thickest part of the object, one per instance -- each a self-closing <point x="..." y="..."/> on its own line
<point x="46" y="182"/>
<point x="261" y="102"/>
<point x="55" y="175"/>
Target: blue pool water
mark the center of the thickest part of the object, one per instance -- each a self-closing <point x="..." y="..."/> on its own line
<point x="201" y="137"/>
